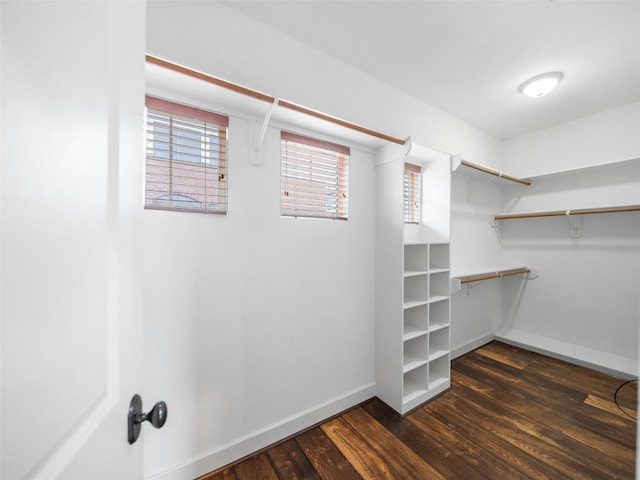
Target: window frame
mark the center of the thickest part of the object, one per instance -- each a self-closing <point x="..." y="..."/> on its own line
<point x="306" y="166"/>
<point x="412" y="194"/>
<point x="180" y="127"/>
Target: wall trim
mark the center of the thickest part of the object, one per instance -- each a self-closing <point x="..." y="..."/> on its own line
<point x="253" y="442"/>
<point x="609" y="363"/>
<point x="472" y="345"/>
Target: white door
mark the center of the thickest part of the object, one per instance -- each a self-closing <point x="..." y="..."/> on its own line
<point x="72" y="84"/>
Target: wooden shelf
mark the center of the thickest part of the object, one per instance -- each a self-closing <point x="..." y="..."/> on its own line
<point x="474" y="170"/>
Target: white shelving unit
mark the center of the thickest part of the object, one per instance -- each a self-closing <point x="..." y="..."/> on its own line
<point x="412" y="283"/>
<point x="426" y="322"/>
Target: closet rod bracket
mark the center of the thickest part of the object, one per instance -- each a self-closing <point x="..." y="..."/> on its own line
<point x="258" y="134"/>
<point x="575" y="224"/>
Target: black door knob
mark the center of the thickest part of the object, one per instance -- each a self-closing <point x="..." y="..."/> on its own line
<point x="158" y="414"/>
<point x="157" y="417"/>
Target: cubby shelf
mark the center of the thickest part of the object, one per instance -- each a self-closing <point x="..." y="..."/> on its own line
<point x="414" y="303"/>
<point x="410" y="334"/>
<point x="415" y="273"/>
<point x="438" y="383"/>
<point x="426" y="321"/>
<point x="437" y="326"/>
<point x="439" y="270"/>
<point x="437" y="354"/>
<point x="437" y="298"/>
<point x="413" y="363"/>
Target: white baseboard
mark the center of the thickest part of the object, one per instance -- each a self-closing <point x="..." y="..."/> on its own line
<point x="471" y="345"/>
<point x="608" y="363"/>
<point x="241" y="447"/>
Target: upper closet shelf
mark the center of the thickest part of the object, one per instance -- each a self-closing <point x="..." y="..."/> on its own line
<point x="474" y="170"/>
<point x="598" y="167"/>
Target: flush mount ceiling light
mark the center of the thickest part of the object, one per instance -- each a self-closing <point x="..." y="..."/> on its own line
<point x="540" y="85"/>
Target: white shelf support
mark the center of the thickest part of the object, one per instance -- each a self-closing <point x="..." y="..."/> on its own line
<point x="575" y="224"/>
<point x="256" y="157"/>
<point x="392" y="152"/>
<point x="456" y="160"/>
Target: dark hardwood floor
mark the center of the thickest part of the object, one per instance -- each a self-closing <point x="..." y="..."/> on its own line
<point x="510" y="414"/>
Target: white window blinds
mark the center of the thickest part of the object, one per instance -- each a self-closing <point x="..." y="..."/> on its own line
<point x="186" y="158"/>
<point x="314" y="178"/>
<point x="412" y="193"/>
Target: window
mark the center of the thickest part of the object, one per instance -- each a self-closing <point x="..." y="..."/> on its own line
<point x="412" y="193"/>
<point x="314" y="178"/>
<point x="186" y="158"/>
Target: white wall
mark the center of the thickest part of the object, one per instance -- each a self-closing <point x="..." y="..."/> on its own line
<point x="247" y="52"/>
<point x="253" y="319"/>
<point x="240" y="341"/>
<point x="475" y="247"/>
<point x="604" y="137"/>
<point x="584" y="305"/>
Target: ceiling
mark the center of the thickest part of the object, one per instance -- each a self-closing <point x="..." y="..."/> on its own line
<point x="468" y="58"/>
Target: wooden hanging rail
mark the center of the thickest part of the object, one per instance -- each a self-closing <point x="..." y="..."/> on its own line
<point x="209" y="79"/>
<point x="268" y="98"/>
<point x="338" y="121"/>
<point x="562" y="213"/>
<point x="489" y="276"/>
<point x="495" y="173"/>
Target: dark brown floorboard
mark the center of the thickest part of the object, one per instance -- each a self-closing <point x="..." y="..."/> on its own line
<point x="510" y="414"/>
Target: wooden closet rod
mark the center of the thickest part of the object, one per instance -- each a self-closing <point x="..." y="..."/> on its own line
<point x="268" y="98"/>
<point x="495" y="172"/>
<point x="209" y="79"/>
<point x="562" y="213"/>
<point x="338" y="121"/>
<point x="489" y="276"/>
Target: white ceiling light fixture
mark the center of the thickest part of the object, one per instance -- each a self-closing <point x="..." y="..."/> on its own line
<point x="540" y="85"/>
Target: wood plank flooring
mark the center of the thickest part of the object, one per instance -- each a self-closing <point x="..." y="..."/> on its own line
<point x="510" y="414"/>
